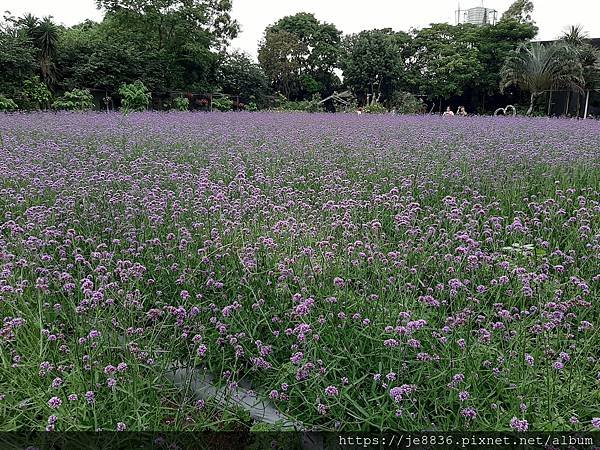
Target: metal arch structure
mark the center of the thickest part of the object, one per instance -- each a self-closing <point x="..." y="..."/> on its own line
<point x="505" y="111"/>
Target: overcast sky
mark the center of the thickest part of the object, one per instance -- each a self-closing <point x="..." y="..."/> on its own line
<point x="350" y="16"/>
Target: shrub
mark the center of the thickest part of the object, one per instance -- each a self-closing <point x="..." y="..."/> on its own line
<point x="375" y="108"/>
<point x="278" y="101"/>
<point x="35" y="95"/>
<point x="75" y="100"/>
<point x="181" y="104"/>
<point x="135" y="97"/>
<point x="302" y="106"/>
<point x="406" y="103"/>
<point x="7" y="104"/>
<point x="222" y="104"/>
<point x="251" y="106"/>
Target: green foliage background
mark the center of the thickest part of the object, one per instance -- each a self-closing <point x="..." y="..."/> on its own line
<point x="177" y="48"/>
<point x="75" y="100"/>
<point x="135" y="96"/>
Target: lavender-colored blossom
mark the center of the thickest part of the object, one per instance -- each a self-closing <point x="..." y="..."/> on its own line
<point x="54" y="402"/>
<point x="331" y="391"/>
<point x="469" y="413"/>
<point x="519" y="424"/>
<point x="90" y="397"/>
<point x="339" y="282"/>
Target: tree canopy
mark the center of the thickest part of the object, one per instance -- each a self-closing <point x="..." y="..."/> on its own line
<point x="519" y="10"/>
<point x="168" y="23"/>
<point x="178" y="47"/>
<point x="17" y="59"/>
<point x="445" y="60"/>
<point x="299" y="54"/>
<point x="238" y="75"/>
<point x="374" y="62"/>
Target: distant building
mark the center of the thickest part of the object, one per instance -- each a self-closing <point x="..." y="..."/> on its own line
<point x="479" y="15"/>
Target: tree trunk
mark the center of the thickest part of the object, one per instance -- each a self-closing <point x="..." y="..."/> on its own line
<point x="568" y="103"/>
<point x="549" y="102"/>
<point x="587" y="104"/>
<point x="160" y="33"/>
<point x="531" y="104"/>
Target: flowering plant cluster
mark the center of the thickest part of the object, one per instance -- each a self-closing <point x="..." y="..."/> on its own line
<point x="358" y="271"/>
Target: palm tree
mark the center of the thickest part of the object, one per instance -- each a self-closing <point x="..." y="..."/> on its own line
<point x="537" y="68"/>
<point x="43" y="35"/>
<point x="578" y="39"/>
<point x="575" y="35"/>
<point x="45" y="38"/>
<point x="28" y="23"/>
<point x="589" y="57"/>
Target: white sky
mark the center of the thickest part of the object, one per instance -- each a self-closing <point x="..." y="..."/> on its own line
<point x="350" y="16"/>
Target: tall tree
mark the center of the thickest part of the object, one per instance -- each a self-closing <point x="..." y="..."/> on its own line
<point x="175" y="21"/>
<point x="494" y="44"/>
<point x="45" y="38"/>
<point x="311" y="49"/>
<point x="184" y="36"/>
<point x="373" y="63"/>
<point x="589" y="57"/>
<point x="280" y="55"/>
<point x="43" y="35"/>
<point x="100" y="56"/>
<point x="238" y="75"/>
<point x="90" y="57"/>
<point x="519" y="10"/>
<point x="17" y="59"/>
<point x="445" y="61"/>
<point x="537" y="68"/>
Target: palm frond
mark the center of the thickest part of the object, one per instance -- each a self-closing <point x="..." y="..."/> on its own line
<point x="537" y="68"/>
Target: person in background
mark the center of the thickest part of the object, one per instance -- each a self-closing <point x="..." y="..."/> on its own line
<point x="461" y="111"/>
<point x="448" y="112"/>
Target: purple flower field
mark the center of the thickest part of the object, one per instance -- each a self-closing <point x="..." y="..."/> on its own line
<point x="358" y="272"/>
